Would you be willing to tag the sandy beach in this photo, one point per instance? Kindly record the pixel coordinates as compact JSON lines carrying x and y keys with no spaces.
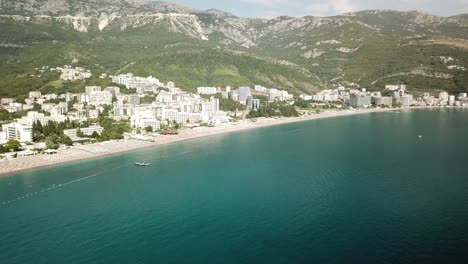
{"x":76,"y":153}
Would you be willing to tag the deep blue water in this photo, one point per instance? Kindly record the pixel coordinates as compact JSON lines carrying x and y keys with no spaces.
{"x":358,"y":189}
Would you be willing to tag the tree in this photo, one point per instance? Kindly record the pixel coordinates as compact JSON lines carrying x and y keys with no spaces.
{"x":149,"y":129}
{"x":79,"y":133}
{"x":66,"y":140}
{"x":13,"y":144}
{"x":3,"y":149}
{"x":37,"y":127}
{"x":299,"y":102}
{"x":95,"y":134}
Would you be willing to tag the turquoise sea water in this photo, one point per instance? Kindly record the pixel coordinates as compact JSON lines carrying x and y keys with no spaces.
{"x":358,"y":189}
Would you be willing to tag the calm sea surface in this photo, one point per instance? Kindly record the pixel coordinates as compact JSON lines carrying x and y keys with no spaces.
{"x":358,"y":189}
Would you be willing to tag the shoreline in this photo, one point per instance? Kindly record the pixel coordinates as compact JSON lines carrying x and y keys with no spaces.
{"x":110,"y":148}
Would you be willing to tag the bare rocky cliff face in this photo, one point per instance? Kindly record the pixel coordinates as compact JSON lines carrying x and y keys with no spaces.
{"x":84,"y":16}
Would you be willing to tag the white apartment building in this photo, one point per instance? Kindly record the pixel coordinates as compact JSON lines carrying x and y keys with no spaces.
{"x":35,"y":94}
{"x":211,"y":106}
{"x":6,"y":101}
{"x":182,"y":117}
{"x":100,"y":98}
{"x":170,"y":85}
{"x":261,"y":89}
{"x":144,"y":122}
{"x":134,"y":99}
{"x":83,"y":98}
{"x":90,"y":89}
{"x":74,"y":74}
{"x":443,"y":96}
{"x":280,"y":95}
{"x":165,"y":97}
{"x":207,"y":90}
{"x":395,"y":87}
{"x":88,"y":131}
{"x":114,"y":90}
{"x":19,"y":132}
{"x":135,"y":82}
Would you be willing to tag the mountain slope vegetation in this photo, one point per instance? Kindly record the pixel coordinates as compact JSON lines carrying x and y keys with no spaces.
{"x":197,"y":48}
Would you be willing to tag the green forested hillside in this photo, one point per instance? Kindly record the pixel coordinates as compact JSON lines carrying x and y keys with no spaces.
{"x":195,"y":48}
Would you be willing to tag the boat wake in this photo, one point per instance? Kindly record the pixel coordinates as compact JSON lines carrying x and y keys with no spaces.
{"x":57,"y":186}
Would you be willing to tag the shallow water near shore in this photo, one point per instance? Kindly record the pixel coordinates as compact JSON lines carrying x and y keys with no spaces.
{"x":355,"y":189}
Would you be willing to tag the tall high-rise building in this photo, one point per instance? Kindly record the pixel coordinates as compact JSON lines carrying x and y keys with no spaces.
{"x":244,"y":93}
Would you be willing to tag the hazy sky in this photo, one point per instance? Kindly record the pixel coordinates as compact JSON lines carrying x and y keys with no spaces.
{"x":273,"y":8}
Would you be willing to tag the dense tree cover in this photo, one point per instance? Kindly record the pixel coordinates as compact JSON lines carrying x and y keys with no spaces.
{"x":149,"y":129}
{"x":387,"y":93}
{"x":328,"y":105}
{"x":54,"y":101}
{"x":7,"y":116}
{"x":262,"y":98}
{"x":301,"y":103}
{"x":52,"y":133}
{"x":148,"y":99}
{"x":3,"y":149}
{"x":230,"y":105}
{"x":274,"y":109}
{"x":112,"y":129}
{"x":13,"y":144}
{"x":155,"y":50}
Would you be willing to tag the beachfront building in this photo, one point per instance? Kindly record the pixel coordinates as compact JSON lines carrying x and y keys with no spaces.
{"x":183,"y":117}
{"x":211,"y":106}
{"x":254,"y":104}
{"x":244,"y":93}
{"x":404,"y":101}
{"x":331,"y":95}
{"x":279,"y":95}
{"x":88,"y":131}
{"x":359,"y":100}
{"x":17,"y":131}
{"x":144,"y":122}
{"x":443,"y":96}
{"x":385,"y":101}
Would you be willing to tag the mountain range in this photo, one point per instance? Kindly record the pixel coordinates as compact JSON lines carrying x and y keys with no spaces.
{"x":366,"y":49}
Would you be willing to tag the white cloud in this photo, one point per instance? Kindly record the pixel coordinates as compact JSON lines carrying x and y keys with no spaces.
{"x":318,"y":9}
{"x":343,"y":6}
{"x":268,"y":3}
{"x":331,"y":7}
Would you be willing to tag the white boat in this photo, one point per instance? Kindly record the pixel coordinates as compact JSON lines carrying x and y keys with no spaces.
{"x":143,"y":164}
